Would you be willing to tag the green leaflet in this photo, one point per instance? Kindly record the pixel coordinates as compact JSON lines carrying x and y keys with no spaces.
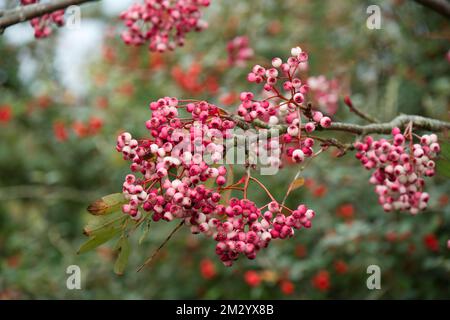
{"x":107,"y":204}
{"x":124,"y":254}
{"x":99,"y":238}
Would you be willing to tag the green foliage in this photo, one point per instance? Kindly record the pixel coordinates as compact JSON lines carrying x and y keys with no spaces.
{"x":48,"y":179}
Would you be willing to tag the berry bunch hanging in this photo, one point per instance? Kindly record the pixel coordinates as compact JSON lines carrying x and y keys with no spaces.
{"x":400,"y":168}
{"x":178,"y":172}
{"x":162,"y":23}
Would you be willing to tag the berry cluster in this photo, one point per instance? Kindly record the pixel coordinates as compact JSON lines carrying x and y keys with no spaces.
{"x":246,"y":229}
{"x":173,"y":163}
{"x":285,"y":104}
{"x":400,"y":168}
{"x":163,"y":23}
{"x":181,"y":179}
{"x":239,"y":51}
{"x":43,"y":24}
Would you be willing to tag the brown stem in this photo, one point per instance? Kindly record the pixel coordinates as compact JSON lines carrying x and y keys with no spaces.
{"x":358,"y":112}
{"x":149,"y":260}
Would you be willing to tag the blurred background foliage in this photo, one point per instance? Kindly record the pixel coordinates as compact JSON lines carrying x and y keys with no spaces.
{"x":57,"y":153}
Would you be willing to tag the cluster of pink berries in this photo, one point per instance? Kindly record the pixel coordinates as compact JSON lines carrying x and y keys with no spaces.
{"x":325,"y":93}
{"x":174,"y":174}
{"x":246,"y":230}
{"x":43,"y":24}
{"x":164,"y":23}
{"x":400,"y":168}
{"x":285,"y":103}
{"x":239,"y":51}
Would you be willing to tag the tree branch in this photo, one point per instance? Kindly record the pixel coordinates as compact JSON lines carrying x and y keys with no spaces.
{"x":440,"y":6}
{"x":28,"y":12}
{"x":401,"y":121}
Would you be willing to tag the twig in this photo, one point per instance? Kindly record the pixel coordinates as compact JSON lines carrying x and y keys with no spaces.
{"x":149,"y":260}
{"x":358,"y":112}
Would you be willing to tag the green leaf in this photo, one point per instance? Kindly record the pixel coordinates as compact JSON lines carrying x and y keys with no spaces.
{"x":107,"y":204}
{"x":124,"y":254}
{"x":146,"y":229}
{"x":99,"y":238}
{"x":99,"y":223}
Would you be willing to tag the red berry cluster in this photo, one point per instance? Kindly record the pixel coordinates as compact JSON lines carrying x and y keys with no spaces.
{"x":246,"y":229}
{"x":163,"y":23}
{"x":181,"y":179}
{"x":400,"y":168}
{"x":239,"y":51}
{"x":43,"y":24}
{"x":285,"y":104}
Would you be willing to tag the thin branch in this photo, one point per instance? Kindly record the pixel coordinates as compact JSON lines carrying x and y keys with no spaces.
{"x":149,"y":260}
{"x":358,"y":112}
{"x":401,"y":121}
{"x":440,"y":6}
{"x":28,"y":12}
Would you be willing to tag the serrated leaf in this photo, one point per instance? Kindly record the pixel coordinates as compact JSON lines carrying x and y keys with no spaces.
{"x":98,"y":239}
{"x":122,"y":258}
{"x":107,"y":204}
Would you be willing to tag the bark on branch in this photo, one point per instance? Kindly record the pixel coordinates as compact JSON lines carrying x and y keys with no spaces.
{"x":28,"y":12}
{"x":401,"y":122}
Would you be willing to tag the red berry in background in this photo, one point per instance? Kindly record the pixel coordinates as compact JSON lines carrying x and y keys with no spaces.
{"x":431,"y":242}
{"x":5,"y":113}
{"x":102,"y":102}
{"x":300,"y":251}
{"x":321,"y":281}
{"x":80,"y":129}
{"x":287,"y":287}
{"x":95,"y":124}
{"x":341,"y":267}
{"x":207,"y":269}
{"x":346,"y":211}
{"x":320,"y":191}
{"x":60,"y":131}
{"x":252,"y":278}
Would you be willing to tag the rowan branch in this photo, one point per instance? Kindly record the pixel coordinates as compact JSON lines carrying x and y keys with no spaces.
{"x":28,"y":12}
{"x":440,"y":6}
{"x":400,"y":121}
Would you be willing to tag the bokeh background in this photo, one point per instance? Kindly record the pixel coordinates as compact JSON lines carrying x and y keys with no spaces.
{"x":64,"y":99}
